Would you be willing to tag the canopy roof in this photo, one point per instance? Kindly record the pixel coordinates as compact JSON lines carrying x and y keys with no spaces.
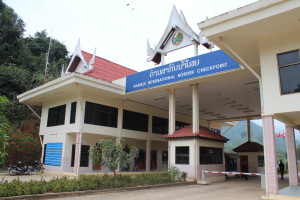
{"x":249,"y":147}
{"x":204,"y":133}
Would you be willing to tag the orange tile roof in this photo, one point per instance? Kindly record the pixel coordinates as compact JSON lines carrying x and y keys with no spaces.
{"x":106,"y":70}
{"x":204,"y":133}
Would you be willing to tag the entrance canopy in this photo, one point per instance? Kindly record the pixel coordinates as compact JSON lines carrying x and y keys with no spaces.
{"x":223,"y":97}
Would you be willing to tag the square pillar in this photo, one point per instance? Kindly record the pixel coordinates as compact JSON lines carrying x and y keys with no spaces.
{"x":77,"y":153}
{"x":292,"y":157}
{"x":195,"y":97}
{"x":270,"y":155}
{"x":148,"y":155}
{"x":172,"y":111}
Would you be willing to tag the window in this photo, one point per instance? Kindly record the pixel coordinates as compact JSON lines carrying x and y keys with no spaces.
{"x":180,"y":125}
{"x":289,"y":72}
{"x":182,"y":155}
{"x":160,"y":125}
{"x":135,"y":121}
{"x":56,"y":116}
{"x":84,"y":156}
{"x":260,"y":161}
{"x":211,"y":155}
{"x":73,"y":112}
{"x":100,"y":115}
{"x":164,"y":156}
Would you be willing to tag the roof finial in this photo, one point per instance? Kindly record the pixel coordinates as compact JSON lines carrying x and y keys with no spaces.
{"x":92,"y":61}
{"x":149,"y":49}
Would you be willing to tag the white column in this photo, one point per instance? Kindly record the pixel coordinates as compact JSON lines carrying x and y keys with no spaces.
{"x":80,"y":112}
{"x":195,"y":96}
{"x":292,"y":156}
{"x":172,"y":110}
{"x":77,"y":153}
{"x":148,"y":155}
{"x":120,"y":120}
{"x":249,"y":129}
{"x":162,"y":61}
{"x":195,"y":49}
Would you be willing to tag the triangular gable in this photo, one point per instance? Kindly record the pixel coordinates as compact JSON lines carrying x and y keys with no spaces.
{"x":178,"y":34}
{"x":78,"y":62}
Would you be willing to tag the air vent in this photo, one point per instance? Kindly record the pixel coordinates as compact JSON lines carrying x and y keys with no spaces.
{"x":247,"y":111}
{"x":183,"y":105}
{"x":159,"y":98}
{"x":243,"y":108}
{"x":222,"y":99}
{"x":221,"y":117}
{"x":251,"y":82}
{"x":208,"y":113}
{"x":229,"y":102}
{"x":237,"y":105}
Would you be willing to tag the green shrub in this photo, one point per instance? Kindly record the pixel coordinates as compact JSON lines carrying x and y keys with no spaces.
{"x":176,"y":174}
{"x":81,"y":183}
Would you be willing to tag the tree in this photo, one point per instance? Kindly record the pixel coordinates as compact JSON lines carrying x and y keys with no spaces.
{"x":11,"y":32}
{"x":23,"y":147}
{"x":3,"y":131}
{"x":111,"y":154}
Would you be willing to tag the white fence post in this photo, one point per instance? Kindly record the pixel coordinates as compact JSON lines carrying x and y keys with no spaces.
{"x":203,"y":178}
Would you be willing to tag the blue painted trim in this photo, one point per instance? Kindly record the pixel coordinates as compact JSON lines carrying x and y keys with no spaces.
{"x":53,"y":154}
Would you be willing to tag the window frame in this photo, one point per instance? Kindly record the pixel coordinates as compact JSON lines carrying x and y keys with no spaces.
{"x":286,"y":65}
{"x":209,"y":159}
{"x":73,"y":112}
{"x":180,"y":156}
{"x":56,"y":115}
{"x":260,"y":162}
{"x":160,"y":125}
{"x":135,"y":121}
{"x":100,"y":115}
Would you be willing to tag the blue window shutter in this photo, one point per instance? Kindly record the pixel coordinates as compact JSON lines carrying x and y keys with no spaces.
{"x":53,"y":154}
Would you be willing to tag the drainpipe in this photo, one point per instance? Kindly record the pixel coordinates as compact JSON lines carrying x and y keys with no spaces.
{"x":249,"y":68}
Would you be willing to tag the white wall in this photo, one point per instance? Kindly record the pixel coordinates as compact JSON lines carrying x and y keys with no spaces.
{"x":274,"y":102}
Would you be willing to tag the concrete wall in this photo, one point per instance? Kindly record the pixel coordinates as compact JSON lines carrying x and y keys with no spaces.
{"x":252,"y":162}
{"x":274,"y":102}
{"x":194,"y":162}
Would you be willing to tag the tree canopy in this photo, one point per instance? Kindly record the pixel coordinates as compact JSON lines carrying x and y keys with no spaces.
{"x":22,"y":66}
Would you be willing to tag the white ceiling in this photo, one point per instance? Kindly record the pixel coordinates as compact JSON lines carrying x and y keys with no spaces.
{"x":226,"y":97}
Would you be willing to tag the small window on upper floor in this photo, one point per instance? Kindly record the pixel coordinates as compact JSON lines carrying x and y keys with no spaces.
{"x":56,"y":116}
{"x":289,"y":71}
{"x":73,"y":112}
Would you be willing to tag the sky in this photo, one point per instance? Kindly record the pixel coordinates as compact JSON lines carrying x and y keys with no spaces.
{"x":119,"y":29}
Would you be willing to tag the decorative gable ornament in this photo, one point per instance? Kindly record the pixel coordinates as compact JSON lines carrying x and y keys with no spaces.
{"x":178,"y":34}
{"x":78,"y":62}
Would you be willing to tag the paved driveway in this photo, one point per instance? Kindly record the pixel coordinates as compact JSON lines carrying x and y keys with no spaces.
{"x":229,"y":190}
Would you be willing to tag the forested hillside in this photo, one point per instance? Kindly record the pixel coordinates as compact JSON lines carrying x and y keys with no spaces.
{"x":22,"y":65}
{"x":238,"y":135}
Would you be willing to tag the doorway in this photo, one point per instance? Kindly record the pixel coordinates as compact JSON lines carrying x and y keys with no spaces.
{"x":153,"y":161}
{"x":244,"y":163}
{"x":142,"y":159}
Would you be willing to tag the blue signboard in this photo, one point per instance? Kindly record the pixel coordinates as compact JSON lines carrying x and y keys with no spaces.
{"x":202,"y":65}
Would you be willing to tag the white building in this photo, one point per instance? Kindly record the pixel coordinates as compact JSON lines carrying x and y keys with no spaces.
{"x":97,"y":98}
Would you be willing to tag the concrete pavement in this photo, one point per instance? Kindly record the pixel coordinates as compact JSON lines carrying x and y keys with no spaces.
{"x":234,"y":189}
